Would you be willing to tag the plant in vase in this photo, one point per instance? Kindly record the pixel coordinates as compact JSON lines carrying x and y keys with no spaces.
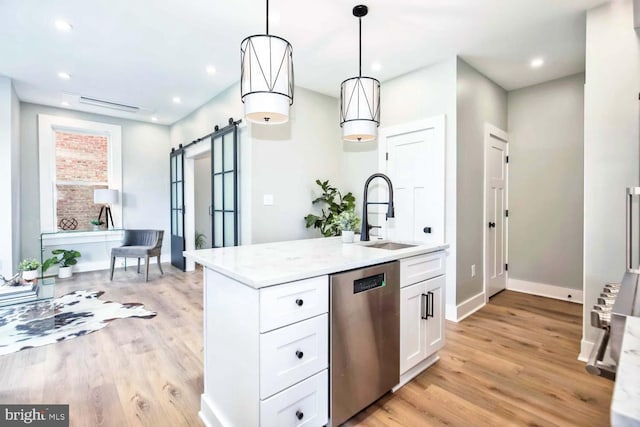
{"x":67,"y":260}
{"x":336,"y":204}
{"x":29,"y":268}
{"x":348,"y":223}
{"x":200,"y":240}
{"x":96,"y":224}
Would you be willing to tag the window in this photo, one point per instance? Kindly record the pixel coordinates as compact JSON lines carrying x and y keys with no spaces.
{"x":76,"y":157}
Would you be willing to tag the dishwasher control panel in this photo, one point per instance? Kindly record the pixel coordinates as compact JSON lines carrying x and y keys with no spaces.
{"x":368,"y":283}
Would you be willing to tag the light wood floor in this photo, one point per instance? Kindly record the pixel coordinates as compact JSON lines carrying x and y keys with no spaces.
{"x":511,"y":363}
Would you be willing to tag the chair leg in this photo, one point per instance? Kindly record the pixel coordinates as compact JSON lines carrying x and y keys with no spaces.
{"x":138,"y":265}
{"x":113,"y":263}
{"x":160,"y":266}
{"x":146,"y":264}
{"x":125,"y":263}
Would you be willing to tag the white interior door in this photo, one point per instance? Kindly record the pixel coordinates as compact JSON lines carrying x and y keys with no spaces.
{"x":415,"y":163}
{"x":495,"y":210}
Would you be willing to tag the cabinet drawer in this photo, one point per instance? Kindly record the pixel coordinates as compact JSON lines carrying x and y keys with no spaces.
{"x":422,"y":267}
{"x":282,"y":305}
{"x":290,"y":354}
{"x":304,"y":404}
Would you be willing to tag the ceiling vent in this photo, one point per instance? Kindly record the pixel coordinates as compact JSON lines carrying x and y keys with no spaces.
{"x":108,"y":104}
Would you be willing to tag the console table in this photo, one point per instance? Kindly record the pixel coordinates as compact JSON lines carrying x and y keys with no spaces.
{"x":95,"y":246}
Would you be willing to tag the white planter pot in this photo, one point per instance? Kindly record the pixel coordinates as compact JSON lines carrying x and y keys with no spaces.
{"x":96,"y":228}
{"x":347,"y":236}
{"x":30,"y":274}
{"x":64,"y":272}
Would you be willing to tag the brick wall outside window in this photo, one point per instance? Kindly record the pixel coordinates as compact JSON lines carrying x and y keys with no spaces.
{"x":81,"y":167}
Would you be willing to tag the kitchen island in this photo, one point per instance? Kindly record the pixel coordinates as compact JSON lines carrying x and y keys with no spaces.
{"x":266,"y":325}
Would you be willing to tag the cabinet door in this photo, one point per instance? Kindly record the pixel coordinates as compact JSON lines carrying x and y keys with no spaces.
{"x":434,"y":288}
{"x":413,"y":329}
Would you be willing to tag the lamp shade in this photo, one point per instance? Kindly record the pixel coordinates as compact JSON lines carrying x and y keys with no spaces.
{"x":266,"y":82}
{"x":360,"y":109}
{"x":105,"y":196}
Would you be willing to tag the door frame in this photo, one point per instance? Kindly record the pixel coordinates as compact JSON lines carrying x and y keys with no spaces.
{"x":489,"y":131}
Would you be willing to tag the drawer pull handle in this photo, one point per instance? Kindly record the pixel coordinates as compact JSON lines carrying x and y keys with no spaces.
{"x":299,"y":415}
{"x":299,"y":302}
{"x":299,"y":354}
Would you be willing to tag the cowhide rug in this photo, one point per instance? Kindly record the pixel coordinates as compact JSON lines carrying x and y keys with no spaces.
{"x":72,"y":315}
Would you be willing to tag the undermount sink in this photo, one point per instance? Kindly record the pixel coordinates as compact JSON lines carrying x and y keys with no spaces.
{"x":390,"y":245}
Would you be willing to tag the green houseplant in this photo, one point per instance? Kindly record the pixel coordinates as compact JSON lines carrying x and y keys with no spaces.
{"x":348,"y":223}
{"x":335,"y":203}
{"x":67,"y":259}
{"x":29,"y":268}
{"x":200,"y":240}
{"x":96,"y":224}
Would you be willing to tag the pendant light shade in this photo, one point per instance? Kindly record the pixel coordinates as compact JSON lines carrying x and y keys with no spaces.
{"x":266,"y":82}
{"x":360,"y":99}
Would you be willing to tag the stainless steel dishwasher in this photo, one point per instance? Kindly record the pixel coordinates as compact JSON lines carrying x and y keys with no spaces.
{"x":365,"y":338}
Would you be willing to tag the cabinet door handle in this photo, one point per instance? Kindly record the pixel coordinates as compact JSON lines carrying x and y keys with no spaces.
{"x":299,"y":354}
{"x":430,"y":304}
{"x":299,"y":302}
{"x":299,"y":415}
{"x":423,"y":309}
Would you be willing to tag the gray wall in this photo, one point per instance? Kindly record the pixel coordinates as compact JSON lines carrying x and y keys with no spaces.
{"x":145,"y":173}
{"x":283,"y":161}
{"x":202,"y":191}
{"x":546,"y":182}
{"x":479,"y":101}
{"x":10,"y":185}
{"x":611,"y":140}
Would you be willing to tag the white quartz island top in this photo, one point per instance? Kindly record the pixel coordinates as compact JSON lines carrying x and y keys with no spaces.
{"x":270,"y":264}
{"x":625,"y":405}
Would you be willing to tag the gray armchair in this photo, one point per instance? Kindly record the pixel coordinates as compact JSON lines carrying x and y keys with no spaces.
{"x":139,"y":244}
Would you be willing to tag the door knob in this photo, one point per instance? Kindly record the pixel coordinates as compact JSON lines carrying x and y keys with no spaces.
{"x":492,"y":225}
{"x":427,"y":230}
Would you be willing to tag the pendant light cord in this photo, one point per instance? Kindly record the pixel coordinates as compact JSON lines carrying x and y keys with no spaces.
{"x":359,"y":46}
{"x":267,"y":17}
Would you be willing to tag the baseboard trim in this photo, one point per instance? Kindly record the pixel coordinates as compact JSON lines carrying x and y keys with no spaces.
{"x":464,"y":309}
{"x":208,"y":413}
{"x":585,"y":350}
{"x":545,"y":290}
{"x":416,"y":370}
{"x":106,"y":264}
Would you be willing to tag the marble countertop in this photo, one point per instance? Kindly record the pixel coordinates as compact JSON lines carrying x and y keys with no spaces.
{"x":625,"y":404}
{"x":270,"y":264}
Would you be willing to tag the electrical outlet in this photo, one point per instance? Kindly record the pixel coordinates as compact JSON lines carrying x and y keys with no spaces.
{"x":473,"y":270}
{"x":267,"y":199}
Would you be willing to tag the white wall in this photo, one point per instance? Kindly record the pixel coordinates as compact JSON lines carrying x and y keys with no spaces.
{"x":479,"y":101}
{"x":611,"y":139}
{"x":202,"y":172}
{"x":546,"y":179}
{"x":10,"y":185}
{"x":420,"y":94}
{"x":283,"y":161}
{"x":145,"y":174}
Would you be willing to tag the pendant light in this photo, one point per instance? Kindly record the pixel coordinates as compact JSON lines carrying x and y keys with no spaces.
{"x":360,"y":99}
{"x":266,"y":83}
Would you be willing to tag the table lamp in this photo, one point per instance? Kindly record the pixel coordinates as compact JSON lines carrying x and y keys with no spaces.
{"x":105,"y":197}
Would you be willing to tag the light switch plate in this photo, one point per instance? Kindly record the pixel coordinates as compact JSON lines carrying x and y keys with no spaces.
{"x":268,"y":199}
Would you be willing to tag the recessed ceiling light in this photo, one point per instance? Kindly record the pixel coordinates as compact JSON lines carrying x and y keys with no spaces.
{"x":537,"y":62}
{"x":177,"y":100}
{"x":63,"y":25}
{"x":376,"y":66}
{"x":211,"y":69}
{"x":65,"y":104}
{"x":154,"y":119}
{"x":64,"y":76}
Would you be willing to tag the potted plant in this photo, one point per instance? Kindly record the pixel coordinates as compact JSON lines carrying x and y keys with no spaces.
{"x":29,"y":268}
{"x":67,"y":260}
{"x":96,"y":224}
{"x":336,"y":204}
{"x":348,"y":223}
{"x":200,"y":240}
